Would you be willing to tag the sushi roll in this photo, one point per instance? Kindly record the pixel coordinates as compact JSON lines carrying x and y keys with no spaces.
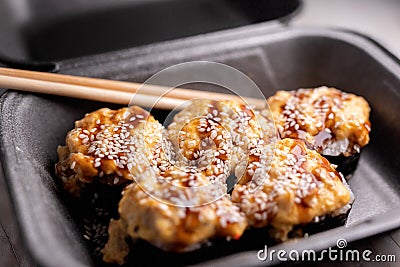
{"x":299,"y":188}
{"x":104,"y":144}
{"x":333,"y":123}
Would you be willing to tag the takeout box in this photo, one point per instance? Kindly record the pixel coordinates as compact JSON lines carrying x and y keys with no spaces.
{"x":275,"y":57}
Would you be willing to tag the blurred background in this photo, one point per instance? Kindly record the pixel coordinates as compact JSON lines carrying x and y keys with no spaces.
{"x":50,"y":30}
{"x":378,"y":19}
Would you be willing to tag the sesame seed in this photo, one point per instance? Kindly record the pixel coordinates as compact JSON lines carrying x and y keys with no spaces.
{"x":73,"y":165}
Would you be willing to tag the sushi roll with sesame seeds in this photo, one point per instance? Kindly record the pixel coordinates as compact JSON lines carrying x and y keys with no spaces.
{"x":104,"y":145}
{"x":224,"y":129}
{"x":173,"y":214}
{"x":334,"y":123}
{"x":298,"y":187}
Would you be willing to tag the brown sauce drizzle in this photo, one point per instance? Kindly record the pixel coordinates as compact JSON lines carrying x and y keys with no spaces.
{"x":324,"y":111}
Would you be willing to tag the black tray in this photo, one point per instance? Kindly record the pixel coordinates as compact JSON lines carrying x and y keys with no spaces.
{"x":32,"y":126}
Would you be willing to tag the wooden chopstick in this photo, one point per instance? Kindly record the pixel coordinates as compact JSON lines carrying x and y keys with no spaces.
{"x":104,"y":90}
{"x":89,"y":93}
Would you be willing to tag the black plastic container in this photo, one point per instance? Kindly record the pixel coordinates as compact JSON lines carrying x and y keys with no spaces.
{"x":53,"y":30}
{"x":275,"y":57}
